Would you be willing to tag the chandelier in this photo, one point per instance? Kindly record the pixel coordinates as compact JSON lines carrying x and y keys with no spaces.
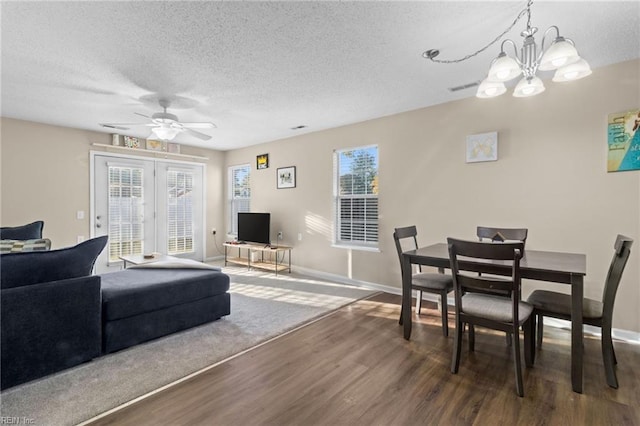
{"x":561,"y":56}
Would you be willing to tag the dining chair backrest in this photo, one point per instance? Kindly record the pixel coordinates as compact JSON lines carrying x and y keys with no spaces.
{"x":622,"y":250}
{"x":409,"y":233}
{"x":474,"y":251}
{"x":502,"y":234}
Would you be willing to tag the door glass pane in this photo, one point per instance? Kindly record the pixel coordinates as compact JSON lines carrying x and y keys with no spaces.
{"x":126,"y":211}
{"x":180,"y":212}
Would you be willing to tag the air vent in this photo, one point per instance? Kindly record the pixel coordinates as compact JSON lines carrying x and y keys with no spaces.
{"x":464,"y":86}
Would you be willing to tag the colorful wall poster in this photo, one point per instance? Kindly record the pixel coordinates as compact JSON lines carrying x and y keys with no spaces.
{"x":623,"y":139}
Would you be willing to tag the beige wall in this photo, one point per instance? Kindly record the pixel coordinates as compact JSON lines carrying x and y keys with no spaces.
{"x":550,"y":177}
{"x":45,"y":176}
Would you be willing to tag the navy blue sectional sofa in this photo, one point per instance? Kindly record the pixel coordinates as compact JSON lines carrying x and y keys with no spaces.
{"x":55,"y":314}
{"x":50,"y":311}
{"x":143,"y":304}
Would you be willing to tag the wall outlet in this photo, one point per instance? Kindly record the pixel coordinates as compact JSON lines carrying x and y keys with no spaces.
{"x":299,"y":236}
{"x":213,"y":231}
{"x":80,"y":238}
{"x":80,"y":214}
{"x":280,"y":235}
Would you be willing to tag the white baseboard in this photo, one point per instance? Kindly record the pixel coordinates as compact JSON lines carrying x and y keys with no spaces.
{"x":626,"y":336}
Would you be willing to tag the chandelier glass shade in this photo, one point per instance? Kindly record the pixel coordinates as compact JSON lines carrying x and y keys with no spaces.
{"x":574,"y":71}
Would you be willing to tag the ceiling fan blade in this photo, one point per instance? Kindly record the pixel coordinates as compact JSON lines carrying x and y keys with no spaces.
{"x":123,"y":125}
{"x":199,"y":125}
{"x":197,"y":134}
{"x":142,"y":115}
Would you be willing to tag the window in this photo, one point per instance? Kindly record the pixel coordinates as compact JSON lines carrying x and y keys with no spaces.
{"x":126,"y":211}
{"x":239,"y":194}
{"x":179,"y":212}
{"x":356,"y":197}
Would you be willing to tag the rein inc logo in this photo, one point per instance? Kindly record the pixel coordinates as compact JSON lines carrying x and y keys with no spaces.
{"x":6,"y":420}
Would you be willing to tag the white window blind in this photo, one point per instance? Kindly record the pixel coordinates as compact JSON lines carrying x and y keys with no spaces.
{"x":180,"y":220}
{"x":126,"y":211}
{"x":356,"y":196}
{"x":239,"y":194}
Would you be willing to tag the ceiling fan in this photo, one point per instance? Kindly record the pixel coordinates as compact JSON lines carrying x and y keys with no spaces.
{"x":165,"y":126}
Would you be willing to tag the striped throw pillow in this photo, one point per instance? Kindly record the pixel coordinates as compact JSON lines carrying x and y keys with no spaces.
{"x":18,"y":246}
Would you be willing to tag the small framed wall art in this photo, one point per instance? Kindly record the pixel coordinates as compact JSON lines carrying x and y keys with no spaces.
{"x":482,"y":147}
{"x":154,"y":145}
{"x":262,"y":161}
{"x":131,"y":142}
{"x":287,"y":177}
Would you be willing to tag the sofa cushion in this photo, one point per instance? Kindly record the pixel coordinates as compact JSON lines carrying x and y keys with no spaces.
{"x":19,"y":269}
{"x":18,"y":246}
{"x":30,"y":231}
{"x":136,"y":291}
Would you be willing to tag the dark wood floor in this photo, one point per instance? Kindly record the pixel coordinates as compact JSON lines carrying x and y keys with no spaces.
{"x":355,"y":368}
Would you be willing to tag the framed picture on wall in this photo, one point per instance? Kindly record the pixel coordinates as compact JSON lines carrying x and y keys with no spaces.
{"x":482,"y":147}
{"x":262,"y":161}
{"x":286,"y":177}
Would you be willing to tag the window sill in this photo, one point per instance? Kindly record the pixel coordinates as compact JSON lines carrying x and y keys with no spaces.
{"x":361,"y":248}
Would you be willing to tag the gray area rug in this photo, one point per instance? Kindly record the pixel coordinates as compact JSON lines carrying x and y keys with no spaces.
{"x":263,"y":306}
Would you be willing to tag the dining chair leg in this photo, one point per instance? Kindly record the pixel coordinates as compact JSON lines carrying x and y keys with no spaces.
{"x":418,"y":301}
{"x":517,"y":362}
{"x":608,"y":357}
{"x":445,"y":314}
{"x":540,"y":330}
{"x":529,"y":342}
{"x":457,"y":346}
{"x":472,"y":337}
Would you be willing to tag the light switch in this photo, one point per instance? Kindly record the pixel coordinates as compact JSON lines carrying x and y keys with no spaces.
{"x":80,"y":214}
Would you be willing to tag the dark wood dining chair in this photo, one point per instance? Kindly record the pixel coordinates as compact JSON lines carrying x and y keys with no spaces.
{"x":475,"y":307}
{"x":500,"y":235}
{"x":430,"y":282}
{"x":594,"y":312}
{"x":488,"y":233}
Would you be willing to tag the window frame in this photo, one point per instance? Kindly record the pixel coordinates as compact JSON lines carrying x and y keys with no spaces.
{"x":337,"y":217}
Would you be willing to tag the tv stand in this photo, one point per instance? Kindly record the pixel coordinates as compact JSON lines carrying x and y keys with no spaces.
{"x":259,"y":256}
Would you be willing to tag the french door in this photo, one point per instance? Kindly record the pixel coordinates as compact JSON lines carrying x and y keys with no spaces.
{"x":147,"y":206}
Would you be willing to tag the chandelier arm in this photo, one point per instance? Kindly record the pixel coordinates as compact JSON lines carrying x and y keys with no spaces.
{"x":491,"y":43}
{"x":544,"y":37}
{"x":515,"y":48}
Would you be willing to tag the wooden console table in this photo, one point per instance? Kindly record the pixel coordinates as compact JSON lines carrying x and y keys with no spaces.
{"x":268,"y":256}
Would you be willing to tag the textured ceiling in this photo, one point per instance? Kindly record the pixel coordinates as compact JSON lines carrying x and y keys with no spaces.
{"x":257,"y":69}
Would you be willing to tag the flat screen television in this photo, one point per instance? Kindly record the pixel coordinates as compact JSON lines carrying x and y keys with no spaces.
{"x":254,"y":227}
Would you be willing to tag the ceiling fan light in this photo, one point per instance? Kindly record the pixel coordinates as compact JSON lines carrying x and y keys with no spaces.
{"x":528,"y":87}
{"x":574,"y":71}
{"x":559,"y":54}
{"x":503,"y":68}
{"x":165,"y":133}
{"x":490,"y":89}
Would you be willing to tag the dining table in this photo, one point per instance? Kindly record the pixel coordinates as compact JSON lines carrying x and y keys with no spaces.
{"x":550,"y":266}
